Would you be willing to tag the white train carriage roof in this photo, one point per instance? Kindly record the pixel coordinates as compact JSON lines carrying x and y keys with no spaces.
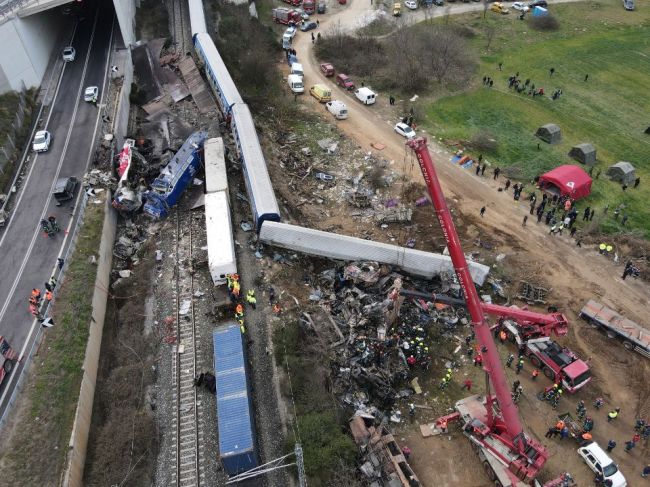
{"x":221,"y":248}
{"x":197,"y":17}
{"x":216,"y":178}
{"x":255,"y":165}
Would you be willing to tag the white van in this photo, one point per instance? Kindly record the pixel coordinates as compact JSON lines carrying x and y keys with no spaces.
{"x":338,"y":109}
{"x":286,"y":41}
{"x":296,"y":68}
{"x":597,"y":460}
{"x":295,"y":83}
{"x":366,"y":96}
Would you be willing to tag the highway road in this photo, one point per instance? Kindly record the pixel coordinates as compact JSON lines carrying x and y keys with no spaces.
{"x":28,"y":255}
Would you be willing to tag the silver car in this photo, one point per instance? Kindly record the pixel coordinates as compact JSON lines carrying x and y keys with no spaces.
{"x":69,"y":54}
{"x":91,"y":94}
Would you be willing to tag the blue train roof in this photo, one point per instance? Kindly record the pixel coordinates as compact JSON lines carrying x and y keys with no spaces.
{"x":233,"y":405}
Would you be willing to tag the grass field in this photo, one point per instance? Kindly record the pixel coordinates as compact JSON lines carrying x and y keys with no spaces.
{"x":611,"y":110}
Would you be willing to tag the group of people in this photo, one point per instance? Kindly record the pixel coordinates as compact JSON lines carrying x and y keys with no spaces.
{"x":35,"y":298}
{"x":234,"y":292}
{"x":524,"y":87}
{"x":50,"y":226}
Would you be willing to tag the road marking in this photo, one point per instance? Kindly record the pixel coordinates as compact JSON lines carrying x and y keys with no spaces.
{"x":101,"y":98}
{"x":58,"y":171}
{"x":47,"y":122}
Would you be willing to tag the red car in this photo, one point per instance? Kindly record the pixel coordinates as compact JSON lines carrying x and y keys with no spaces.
{"x":327,"y":69}
{"x":344,"y":81}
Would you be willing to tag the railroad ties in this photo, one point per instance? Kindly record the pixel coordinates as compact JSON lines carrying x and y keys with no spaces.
{"x":187,"y":450}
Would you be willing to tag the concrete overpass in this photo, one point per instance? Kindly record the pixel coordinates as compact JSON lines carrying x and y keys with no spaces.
{"x":31,"y":30}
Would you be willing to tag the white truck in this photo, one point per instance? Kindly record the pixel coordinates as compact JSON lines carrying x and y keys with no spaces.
{"x":296,"y":68}
{"x":633,"y":336}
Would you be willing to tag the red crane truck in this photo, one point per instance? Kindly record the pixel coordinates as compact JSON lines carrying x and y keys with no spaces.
{"x":491,"y":423}
{"x":282,"y":15}
{"x":533,"y":331}
{"x":8,"y":358}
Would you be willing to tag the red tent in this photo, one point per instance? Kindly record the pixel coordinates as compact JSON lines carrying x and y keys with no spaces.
{"x":568,"y":180}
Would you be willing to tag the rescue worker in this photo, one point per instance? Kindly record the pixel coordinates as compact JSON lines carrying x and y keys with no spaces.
{"x":467,"y":384}
{"x":535,"y":374}
{"x":612,"y":415}
{"x":53,"y":282}
{"x":511,"y":357}
{"x":48,"y":295}
{"x":585,"y":438}
{"x":276,"y":308}
{"x":250,"y":298}
{"x":229,"y":281}
{"x":443,"y":425}
{"x":602,"y":248}
{"x":36,"y":294}
{"x":242,"y":328}
{"x":33,"y":310}
{"x":32,"y":300}
{"x":239,"y":310}
{"x":503,"y":336}
{"x":236,"y":289}
{"x":611,"y":444}
{"x":478,"y":360}
{"x":588,"y":424}
{"x":520,"y":365}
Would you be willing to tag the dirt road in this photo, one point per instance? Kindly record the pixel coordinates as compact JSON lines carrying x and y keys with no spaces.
{"x":574,"y":274}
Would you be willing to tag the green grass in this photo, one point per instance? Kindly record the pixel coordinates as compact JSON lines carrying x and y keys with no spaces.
{"x":611,"y":110}
{"x":39,"y":450}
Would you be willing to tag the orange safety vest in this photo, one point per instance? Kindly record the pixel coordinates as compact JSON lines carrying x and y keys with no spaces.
{"x":560,"y":425}
{"x":276,"y":308}
{"x":503,"y":336}
{"x":535,"y":373}
{"x":239,"y":309}
{"x":36,"y":293}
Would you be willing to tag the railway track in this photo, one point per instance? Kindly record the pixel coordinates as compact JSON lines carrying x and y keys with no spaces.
{"x":188,"y":445}
{"x":179,"y":25}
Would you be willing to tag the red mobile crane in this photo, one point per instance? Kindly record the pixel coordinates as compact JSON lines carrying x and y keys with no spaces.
{"x":532,"y":331}
{"x":492,"y":423}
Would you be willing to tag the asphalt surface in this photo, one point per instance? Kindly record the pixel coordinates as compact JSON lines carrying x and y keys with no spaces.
{"x":28,"y":255}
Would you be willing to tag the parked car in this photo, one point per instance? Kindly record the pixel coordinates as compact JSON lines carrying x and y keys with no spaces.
{"x":404,"y":130}
{"x":499,"y":8}
{"x":439,"y":3}
{"x":597,"y":460}
{"x":538,"y":3}
{"x":327,"y":69}
{"x":521,"y":6}
{"x":41,"y":142}
{"x":397,"y":9}
{"x":628,"y":5}
{"x":411,"y":4}
{"x":69,"y":54}
{"x":344,"y":81}
{"x":321,"y":8}
{"x":64,"y":189}
{"x":291,"y":31}
{"x":307,"y":26}
{"x":91,"y":94}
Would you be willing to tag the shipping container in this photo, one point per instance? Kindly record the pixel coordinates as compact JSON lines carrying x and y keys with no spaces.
{"x":221,"y":247}
{"x":237,"y":448}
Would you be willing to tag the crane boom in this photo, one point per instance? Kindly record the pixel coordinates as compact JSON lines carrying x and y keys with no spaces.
{"x":504,"y":424}
{"x":544,"y":323}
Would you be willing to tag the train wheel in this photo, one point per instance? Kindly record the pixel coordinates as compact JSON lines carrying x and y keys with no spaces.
{"x":628,"y":346}
{"x":535,"y":361}
{"x":548,"y":373}
{"x":488,"y":470}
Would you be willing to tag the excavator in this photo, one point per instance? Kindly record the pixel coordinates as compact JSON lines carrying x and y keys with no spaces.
{"x":491,"y":422}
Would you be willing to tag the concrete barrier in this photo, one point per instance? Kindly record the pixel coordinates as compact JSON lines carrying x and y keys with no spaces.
{"x":76,"y":456}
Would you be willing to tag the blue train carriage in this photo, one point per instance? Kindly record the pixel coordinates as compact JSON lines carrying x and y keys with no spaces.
{"x":264,"y":206}
{"x":237,"y":445}
{"x":216,"y":73}
{"x":174,"y":178}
